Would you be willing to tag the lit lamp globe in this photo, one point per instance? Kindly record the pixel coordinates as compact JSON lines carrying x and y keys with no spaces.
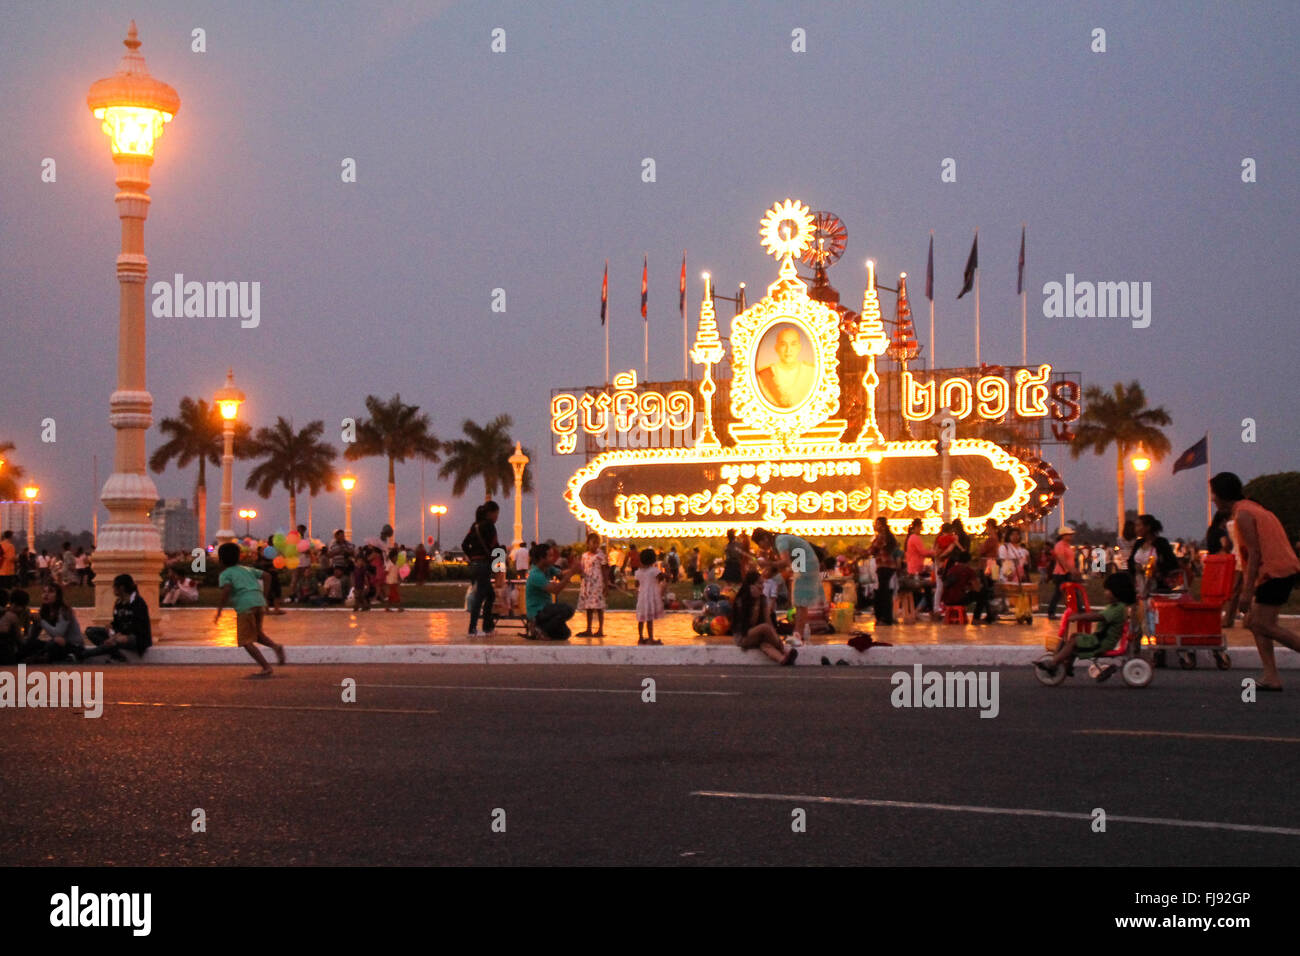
{"x":30,"y":493}
{"x":1140,"y":464}
{"x":348,"y":481}
{"x":132,"y":108}
{"x":228,"y":399}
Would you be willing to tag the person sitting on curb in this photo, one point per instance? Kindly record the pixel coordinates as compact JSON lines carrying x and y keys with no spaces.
{"x":57,"y":633}
{"x":752,"y":625}
{"x":130,"y":629}
{"x":1122,"y":596}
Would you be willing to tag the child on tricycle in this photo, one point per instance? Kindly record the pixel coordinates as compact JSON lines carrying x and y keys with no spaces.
{"x":1121,"y":597}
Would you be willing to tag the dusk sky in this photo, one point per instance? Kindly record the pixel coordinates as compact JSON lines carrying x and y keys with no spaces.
{"x":522,"y":170}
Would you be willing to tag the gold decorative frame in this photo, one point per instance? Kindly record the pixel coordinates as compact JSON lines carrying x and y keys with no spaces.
{"x":787,"y":302}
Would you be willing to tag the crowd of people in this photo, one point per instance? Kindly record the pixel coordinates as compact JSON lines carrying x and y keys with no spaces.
{"x":778,"y":587}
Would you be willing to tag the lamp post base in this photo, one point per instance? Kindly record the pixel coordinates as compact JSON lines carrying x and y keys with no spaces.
{"x":144,"y":567}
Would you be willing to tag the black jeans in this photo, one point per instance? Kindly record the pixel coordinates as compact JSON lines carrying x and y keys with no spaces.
{"x":1058,"y":580}
{"x":485,"y":596}
{"x":884,"y":597}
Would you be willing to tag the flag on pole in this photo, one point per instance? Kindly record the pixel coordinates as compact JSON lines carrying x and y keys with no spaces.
{"x":604,"y":294}
{"x":681,"y":288}
{"x":972,"y":263}
{"x":645,"y":275}
{"x":929,"y":271}
{"x":1020,"y":275}
{"x":1194,"y":457}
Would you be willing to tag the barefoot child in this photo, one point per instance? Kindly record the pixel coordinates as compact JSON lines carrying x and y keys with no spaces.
{"x":242,"y":587}
{"x":649,"y":603}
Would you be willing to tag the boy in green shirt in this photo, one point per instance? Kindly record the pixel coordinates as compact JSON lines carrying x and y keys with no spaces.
{"x":1123,"y":595}
{"x":242,"y":587}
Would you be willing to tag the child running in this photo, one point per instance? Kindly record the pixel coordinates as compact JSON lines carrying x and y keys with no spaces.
{"x":649,"y":602}
{"x":242,"y":587}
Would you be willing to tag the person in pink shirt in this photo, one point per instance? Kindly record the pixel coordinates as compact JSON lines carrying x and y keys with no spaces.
{"x":1271,"y":571}
{"x":1061,"y":567}
{"x":914,"y":550}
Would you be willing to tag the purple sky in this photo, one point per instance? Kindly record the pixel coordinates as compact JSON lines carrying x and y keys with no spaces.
{"x":522,"y":171}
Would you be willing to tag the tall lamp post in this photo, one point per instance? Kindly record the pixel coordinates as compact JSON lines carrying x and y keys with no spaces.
{"x":30,"y":493}
{"x":517,"y":461}
{"x":348,"y":481}
{"x":248,"y":514}
{"x":437,"y":511}
{"x":1140,"y":464}
{"x":228,"y":400}
{"x":133,"y":107}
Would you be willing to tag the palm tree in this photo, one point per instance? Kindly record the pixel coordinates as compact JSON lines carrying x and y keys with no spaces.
{"x":294,"y":460}
{"x":9,"y":473}
{"x":484,"y":453}
{"x":1120,"y":417}
{"x":396,"y":432}
{"x":196,"y":434}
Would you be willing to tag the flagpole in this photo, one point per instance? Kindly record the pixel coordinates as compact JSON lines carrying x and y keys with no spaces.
{"x":929,"y":281}
{"x":608,"y":319}
{"x":977,"y":304}
{"x":1209,"y":500}
{"x":1024,"y":304}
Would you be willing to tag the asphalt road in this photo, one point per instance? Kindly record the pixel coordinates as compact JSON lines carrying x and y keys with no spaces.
{"x":588,"y":773}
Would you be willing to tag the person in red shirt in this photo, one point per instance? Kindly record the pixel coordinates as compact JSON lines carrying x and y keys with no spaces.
{"x":1061,"y":567}
{"x":1271,"y":571}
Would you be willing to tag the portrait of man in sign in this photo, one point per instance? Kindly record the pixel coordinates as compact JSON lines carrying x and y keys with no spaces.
{"x":785,"y":376}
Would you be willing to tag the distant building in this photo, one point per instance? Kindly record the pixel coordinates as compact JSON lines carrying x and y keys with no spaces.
{"x":13,"y":517}
{"x":177,"y":524}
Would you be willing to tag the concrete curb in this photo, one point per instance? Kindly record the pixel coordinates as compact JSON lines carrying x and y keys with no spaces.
{"x":933,"y":655}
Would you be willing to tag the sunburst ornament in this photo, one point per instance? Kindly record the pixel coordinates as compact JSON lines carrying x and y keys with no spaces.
{"x":787,"y":229}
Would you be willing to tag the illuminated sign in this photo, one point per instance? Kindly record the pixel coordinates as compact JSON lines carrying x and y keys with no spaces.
{"x":620,"y":411}
{"x":789,"y":464}
{"x":827,"y":489}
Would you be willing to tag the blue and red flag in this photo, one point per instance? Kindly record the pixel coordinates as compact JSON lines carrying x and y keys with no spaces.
{"x":645,"y":275}
{"x":1194,"y":457}
{"x":1020,"y":275}
{"x":604,"y":294}
{"x":929,"y":271}
{"x":681,"y":287}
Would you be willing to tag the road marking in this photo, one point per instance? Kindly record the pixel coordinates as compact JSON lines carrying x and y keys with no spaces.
{"x":788,"y":675}
{"x":563,"y":690}
{"x":1190,"y":736}
{"x":999,"y":811}
{"x":342,"y":710}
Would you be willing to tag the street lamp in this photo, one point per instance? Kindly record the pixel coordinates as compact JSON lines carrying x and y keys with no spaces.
{"x":1140,"y":464}
{"x":348,"y":481}
{"x":248,"y":514}
{"x":30,"y":493}
{"x":133,"y":108}
{"x":517,"y":461}
{"x":228,"y":400}
{"x":438,"y":511}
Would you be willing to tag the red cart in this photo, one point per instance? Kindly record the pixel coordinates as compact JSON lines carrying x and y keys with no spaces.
{"x":1186,"y":626}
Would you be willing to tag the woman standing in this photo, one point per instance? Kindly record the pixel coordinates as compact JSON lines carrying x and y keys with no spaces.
{"x":595,"y":582}
{"x":883,"y":548}
{"x":733,"y":559}
{"x":481,"y":545}
{"x":1013,"y":559}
